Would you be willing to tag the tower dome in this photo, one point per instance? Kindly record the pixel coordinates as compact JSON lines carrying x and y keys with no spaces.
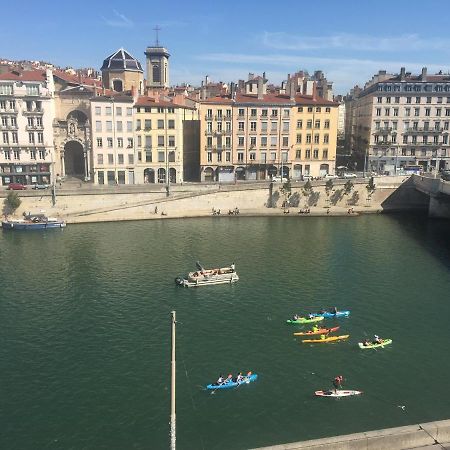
{"x":121,"y":60}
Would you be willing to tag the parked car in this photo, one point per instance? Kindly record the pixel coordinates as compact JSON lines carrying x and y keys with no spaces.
{"x":307,"y":177}
{"x":349,"y":175}
{"x":41,"y":186}
{"x":16,"y":187}
{"x":445,"y":175}
{"x":278,"y":179}
{"x":330,"y":176}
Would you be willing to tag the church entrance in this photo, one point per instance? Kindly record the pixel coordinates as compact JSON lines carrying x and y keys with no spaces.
{"x":74,"y":159}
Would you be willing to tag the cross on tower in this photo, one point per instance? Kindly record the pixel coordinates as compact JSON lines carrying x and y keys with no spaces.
{"x":156,"y":30}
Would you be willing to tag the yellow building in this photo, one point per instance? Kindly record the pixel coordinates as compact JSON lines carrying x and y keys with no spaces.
{"x":165,"y":133}
{"x":253,"y":135}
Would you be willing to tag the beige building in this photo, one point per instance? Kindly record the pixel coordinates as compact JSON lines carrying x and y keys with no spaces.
{"x":166,"y":135}
{"x":113,"y":154}
{"x":26,"y":127}
{"x":402,"y":120}
{"x":255,"y":135}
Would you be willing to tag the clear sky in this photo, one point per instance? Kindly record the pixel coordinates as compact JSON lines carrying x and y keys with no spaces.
{"x":349,"y":40}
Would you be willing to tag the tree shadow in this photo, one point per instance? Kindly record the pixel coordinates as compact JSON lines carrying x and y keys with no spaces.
{"x":336,"y":196}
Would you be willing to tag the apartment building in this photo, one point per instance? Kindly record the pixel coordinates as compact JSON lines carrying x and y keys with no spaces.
{"x":399,"y":120}
{"x":26,"y":120}
{"x":255,"y":135}
{"x":113,"y":150}
{"x":165,"y":136}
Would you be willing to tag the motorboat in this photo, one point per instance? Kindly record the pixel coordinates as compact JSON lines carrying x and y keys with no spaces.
{"x":203,"y":277}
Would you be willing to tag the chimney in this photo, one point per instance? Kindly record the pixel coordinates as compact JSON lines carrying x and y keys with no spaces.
{"x":260,"y":89}
{"x":423,"y":77}
{"x":314,"y":92}
{"x":133,"y":92}
{"x":206,"y":80}
{"x":264,"y":76}
{"x":402,"y":73}
{"x":291,"y":89}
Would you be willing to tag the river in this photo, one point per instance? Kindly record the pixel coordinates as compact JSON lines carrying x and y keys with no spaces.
{"x":85,"y":330}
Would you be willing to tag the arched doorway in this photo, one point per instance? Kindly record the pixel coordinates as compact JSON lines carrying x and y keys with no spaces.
{"x":161,"y":175}
{"x":272,"y":171}
{"x":285,"y":171}
{"x":240,"y":173}
{"x":173,"y":175}
{"x":74,"y":159}
{"x":149,"y":176}
{"x":209,"y":174}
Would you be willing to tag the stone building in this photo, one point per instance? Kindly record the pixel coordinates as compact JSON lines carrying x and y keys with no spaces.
{"x":401,"y":120}
{"x":26,"y":124}
{"x":157,"y":67}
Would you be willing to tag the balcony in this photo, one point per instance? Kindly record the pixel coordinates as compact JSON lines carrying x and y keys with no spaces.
{"x":384,"y":130}
{"x":210,"y":148}
{"x":8,"y":127}
{"x":263,"y":116}
{"x":218,"y":118}
{"x":423,"y":131}
{"x":209,"y":132}
{"x":208,"y":117}
{"x":8,"y":110}
{"x":29,"y":112}
{"x":34,"y":127}
{"x":273,"y":131}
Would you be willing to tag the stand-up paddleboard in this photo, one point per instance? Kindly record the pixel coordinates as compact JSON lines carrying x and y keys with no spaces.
{"x":375,"y":345}
{"x":337,"y":393}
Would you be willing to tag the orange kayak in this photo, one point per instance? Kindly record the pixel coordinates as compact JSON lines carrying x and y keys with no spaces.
{"x":328,"y":339}
{"x":320,"y":331}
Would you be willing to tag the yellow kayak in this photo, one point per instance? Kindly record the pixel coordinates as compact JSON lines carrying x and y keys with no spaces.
{"x":327,"y":339}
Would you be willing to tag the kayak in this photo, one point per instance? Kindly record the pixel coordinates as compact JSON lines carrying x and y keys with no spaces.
{"x":305,"y":320}
{"x":233,"y":384}
{"x":319,"y":331}
{"x":338,"y":393}
{"x":373,"y":345}
{"x":330,"y":315}
{"x":327,"y":339}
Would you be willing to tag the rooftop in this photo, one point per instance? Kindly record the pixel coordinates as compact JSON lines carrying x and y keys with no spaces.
{"x":121,"y":60}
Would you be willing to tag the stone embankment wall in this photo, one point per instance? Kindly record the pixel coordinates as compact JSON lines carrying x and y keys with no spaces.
{"x":426,"y":436}
{"x":133,"y":203}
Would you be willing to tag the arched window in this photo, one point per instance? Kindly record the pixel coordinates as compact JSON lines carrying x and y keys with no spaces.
{"x":117,"y":85}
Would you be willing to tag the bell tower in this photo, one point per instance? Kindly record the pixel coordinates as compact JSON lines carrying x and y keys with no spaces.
{"x":157,"y":65}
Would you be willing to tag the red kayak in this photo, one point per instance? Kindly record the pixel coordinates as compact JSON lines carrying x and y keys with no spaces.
{"x":312,"y":333}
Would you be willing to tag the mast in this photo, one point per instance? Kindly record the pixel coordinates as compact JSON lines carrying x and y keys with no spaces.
{"x":173,"y":437}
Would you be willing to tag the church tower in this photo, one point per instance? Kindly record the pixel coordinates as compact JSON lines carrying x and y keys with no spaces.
{"x":157,"y":65}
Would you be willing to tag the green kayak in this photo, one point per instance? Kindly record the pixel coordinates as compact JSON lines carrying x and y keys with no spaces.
{"x":303,"y":320}
{"x":373,"y":345}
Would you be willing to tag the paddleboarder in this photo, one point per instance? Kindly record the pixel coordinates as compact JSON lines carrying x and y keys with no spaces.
{"x":337,"y":382}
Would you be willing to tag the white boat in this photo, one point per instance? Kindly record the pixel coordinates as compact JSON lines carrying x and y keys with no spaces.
{"x":203,"y":277}
{"x":337,"y":393}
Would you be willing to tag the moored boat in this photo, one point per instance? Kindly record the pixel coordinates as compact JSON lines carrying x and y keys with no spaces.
{"x":233,"y":383}
{"x":203,"y":277}
{"x":331,"y":315}
{"x":327,"y":339}
{"x":33,"y":222}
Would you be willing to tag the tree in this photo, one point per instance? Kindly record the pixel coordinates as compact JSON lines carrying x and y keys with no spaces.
{"x":328,"y":189}
{"x":348,"y":187}
{"x":370,"y":189}
{"x":286,"y":192}
{"x":11,"y":203}
{"x":307,"y":189}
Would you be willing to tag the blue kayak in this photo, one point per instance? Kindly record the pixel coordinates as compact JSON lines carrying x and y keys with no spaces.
{"x":233,"y":384}
{"x":330,"y":315}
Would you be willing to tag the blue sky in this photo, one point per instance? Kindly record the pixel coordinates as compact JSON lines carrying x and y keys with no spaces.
{"x":348,"y":40}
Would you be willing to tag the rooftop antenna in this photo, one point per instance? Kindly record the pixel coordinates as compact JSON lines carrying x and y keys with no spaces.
{"x":156,"y":31}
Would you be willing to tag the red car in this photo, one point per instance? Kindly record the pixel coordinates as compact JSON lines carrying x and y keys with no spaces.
{"x":16,"y":187}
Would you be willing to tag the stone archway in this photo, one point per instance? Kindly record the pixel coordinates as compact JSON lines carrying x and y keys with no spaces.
{"x":74,"y":159}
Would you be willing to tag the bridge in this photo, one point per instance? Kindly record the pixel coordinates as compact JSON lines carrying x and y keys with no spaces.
{"x":438,"y":191}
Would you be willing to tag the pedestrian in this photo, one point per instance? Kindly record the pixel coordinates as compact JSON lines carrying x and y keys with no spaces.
{"x":156,"y":209}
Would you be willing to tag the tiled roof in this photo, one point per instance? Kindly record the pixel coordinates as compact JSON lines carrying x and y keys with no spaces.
{"x":151,"y":101}
{"x":418,"y":78}
{"x":24,"y":75}
{"x":75,"y":79}
{"x":121,"y":60}
{"x":269,"y":99}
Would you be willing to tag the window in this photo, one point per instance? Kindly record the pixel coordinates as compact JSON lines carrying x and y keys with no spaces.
{"x":228,"y":156}
{"x":241,"y":126}
{"x":253,"y":141}
{"x":100,"y":159}
{"x":308,"y":139}
{"x":16,"y":154}
{"x":108,"y":110}
{"x":309,"y":124}
{"x":129,"y":111}
{"x":32,"y":89}
{"x":310,"y":109}
{"x":317,"y":124}
{"x":147,"y":124}
{"x":98,"y":110}
{"x":273,"y":141}
{"x":171,"y":142}
{"x":120,"y":142}
{"x":33,"y":154}
{"x":378,"y":111}
{"x":264,"y":141}
{"x":300,"y":109}
{"x":30,"y":138}
{"x":108,"y":125}
{"x":428,"y":99}
{"x":120,"y":159}
{"x":15,"y":138}
{"x":98,"y":125}
{"x":171,"y":124}
{"x":252,"y":156}
{"x":129,"y":125}
{"x":119,"y":125}
{"x":308,"y":154}
{"x":326,"y":139}
{"x":397,"y":99}
{"x":316,"y":138}
{"x":130,"y":158}
{"x":253,"y":125}
{"x":326,"y":124}
{"x":325,"y":154}
{"x":299,"y":124}
{"x":6,"y":89}
{"x":285,"y":141}
{"x":99,"y":142}
{"x":41,"y":154}
{"x":417,"y":111}
{"x":407,"y":111}
{"x":388,"y":99}
{"x":328,"y":109}
{"x":240,"y":141}
{"x":38,"y":121}
{"x":160,"y":141}
{"x":427,"y":112}
{"x":263,"y":127}
{"x":387,"y":111}
{"x":379,"y":99}
{"x":273,"y":156}
{"x":161,"y":157}
{"x":408,"y":99}
{"x":240,"y":156}
{"x":438,"y":111}
{"x":299,"y":139}
{"x":439,"y":99}
{"x":285,"y":112}
{"x":263,"y":157}
{"x":274,"y":112}
{"x":417,"y":99}
{"x":148,"y":156}
{"x":228,"y":113}
{"x":40,"y":138}
{"x":227,"y":142}
{"x":241,"y":112}
{"x":273,"y":126}
{"x":253,"y":112}
{"x":396,"y":112}
{"x":110,"y":142}
{"x":298,"y":154}
{"x":110,"y":158}
{"x":160,"y":124}
{"x":285,"y":127}
{"x":130,"y":143}
{"x":7,"y":154}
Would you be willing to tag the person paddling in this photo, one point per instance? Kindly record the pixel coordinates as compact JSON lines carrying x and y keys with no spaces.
{"x":337,"y":382}
{"x":315,"y":328}
{"x":220,"y":380}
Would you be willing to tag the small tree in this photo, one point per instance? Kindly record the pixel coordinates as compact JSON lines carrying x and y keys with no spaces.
{"x":370,"y":189}
{"x":307,"y":189}
{"x":11,"y":203}
{"x":348,"y":187}
{"x":328,"y":189}
{"x":286,"y":192}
